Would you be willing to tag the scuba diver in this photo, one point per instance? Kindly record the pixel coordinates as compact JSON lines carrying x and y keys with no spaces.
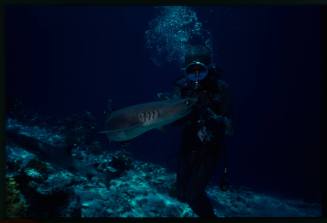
{"x":203,"y":130}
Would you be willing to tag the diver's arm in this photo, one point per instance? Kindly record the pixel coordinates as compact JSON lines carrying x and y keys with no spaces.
{"x":222,"y":114}
{"x":223,"y":96}
{"x":220,"y":110}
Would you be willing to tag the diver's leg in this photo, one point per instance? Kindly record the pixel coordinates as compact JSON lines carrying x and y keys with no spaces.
{"x":202,"y":206}
{"x":203,"y":170}
{"x":183,"y":174}
{"x":185,"y":163}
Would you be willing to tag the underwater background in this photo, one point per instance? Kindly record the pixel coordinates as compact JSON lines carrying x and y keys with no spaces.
{"x":64,"y":63}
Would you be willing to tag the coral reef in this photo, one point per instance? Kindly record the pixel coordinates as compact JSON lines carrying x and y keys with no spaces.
{"x":112,"y":183}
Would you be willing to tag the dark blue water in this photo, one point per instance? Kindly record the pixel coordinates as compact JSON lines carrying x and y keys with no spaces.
{"x":65,"y":60}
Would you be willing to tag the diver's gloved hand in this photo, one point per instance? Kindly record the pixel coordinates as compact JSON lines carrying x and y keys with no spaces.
{"x":204,"y":135}
{"x":226,"y":121}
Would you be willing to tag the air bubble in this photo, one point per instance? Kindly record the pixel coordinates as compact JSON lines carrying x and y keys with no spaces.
{"x":171,"y":33}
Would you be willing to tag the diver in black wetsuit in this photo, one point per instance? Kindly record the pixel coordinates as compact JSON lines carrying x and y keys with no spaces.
{"x":203,"y":129}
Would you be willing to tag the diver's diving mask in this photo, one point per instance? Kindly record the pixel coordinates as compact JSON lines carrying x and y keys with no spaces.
{"x":196,"y":71}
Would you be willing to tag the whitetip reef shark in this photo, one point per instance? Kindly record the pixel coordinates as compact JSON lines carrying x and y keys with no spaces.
{"x":127,"y":123}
